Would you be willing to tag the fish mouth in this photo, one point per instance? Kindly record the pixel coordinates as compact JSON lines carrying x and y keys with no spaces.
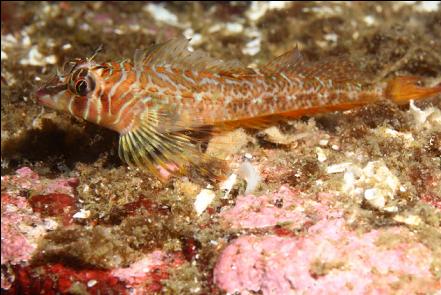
{"x":43,"y":98}
{"x":47,"y":95}
{"x":41,"y":92}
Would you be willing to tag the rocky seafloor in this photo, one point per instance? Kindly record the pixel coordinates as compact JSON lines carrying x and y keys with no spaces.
{"x":341,"y":203}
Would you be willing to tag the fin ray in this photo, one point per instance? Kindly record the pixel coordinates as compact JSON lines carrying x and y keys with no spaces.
{"x":339,"y":70}
{"x":403,"y":89}
{"x":175,"y":52}
{"x":150,"y":147}
{"x":286,"y":61}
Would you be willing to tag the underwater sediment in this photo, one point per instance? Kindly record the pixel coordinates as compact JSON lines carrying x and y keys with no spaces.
{"x":345,"y":201}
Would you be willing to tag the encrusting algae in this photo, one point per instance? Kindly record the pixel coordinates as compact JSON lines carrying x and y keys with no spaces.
{"x":168,"y":93}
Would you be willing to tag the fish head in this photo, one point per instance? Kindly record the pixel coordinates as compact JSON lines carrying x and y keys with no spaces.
{"x":72,"y":89}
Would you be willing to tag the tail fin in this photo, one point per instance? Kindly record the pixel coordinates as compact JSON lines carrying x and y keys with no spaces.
{"x":403,"y":89}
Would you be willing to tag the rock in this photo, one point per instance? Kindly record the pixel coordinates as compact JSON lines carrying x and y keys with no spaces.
{"x":285,"y":206}
{"x":328,"y":259}
{"x":25,"y":220}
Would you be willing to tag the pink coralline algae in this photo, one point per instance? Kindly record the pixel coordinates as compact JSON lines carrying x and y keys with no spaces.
{"x":145,"y":275}
{"x":329,"y":259}
{"x":24,"y":218}
{"x":31,"y":206}
{"x":16,"y":219}
{"x":286,"y":206}
{"x":26,"y":179}
{"x":20,"y":231}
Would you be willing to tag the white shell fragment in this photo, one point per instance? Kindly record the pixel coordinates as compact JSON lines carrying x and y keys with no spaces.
{"x":35,"y":58}
{"x":429,"y":118}
{"x":161,"y":14}
{"x":248,"y":172}
{"x":375,"y":183}
{"x":203,"y":200}
{"x":375,"y":197}
{"x":337,"y":168}
{"x":408,"y":219}
{"x":82,"y":214}
{"x":228,"y":184}
{"x":323,"y":142}
{"x":321,"y":156}
{"x":91,"y":283}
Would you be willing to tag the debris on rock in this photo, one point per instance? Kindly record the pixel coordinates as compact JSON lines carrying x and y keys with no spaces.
{"x":203,"y":200}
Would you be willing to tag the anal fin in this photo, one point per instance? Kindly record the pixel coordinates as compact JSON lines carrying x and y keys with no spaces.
{"x":264,"y":121}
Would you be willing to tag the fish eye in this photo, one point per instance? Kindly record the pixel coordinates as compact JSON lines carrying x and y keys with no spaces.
{"x":81,"y":82}
{"x":81,"y":87}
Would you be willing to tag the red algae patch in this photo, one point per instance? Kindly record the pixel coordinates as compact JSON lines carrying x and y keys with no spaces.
{"x":55,"y":205}
{"x":142,"y":277}
{"x":57,"y":278}
{"x":329,"y":259}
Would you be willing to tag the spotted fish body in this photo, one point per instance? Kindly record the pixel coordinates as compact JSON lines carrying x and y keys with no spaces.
{"x":168,"y":90}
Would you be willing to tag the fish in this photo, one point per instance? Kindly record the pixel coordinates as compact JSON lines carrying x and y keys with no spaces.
{"x":166,"y":94}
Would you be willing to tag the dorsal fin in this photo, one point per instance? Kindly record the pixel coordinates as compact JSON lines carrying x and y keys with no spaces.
{"x":340,"y":70}
{"x":286,"y":62}
{"x":175,"y":52}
